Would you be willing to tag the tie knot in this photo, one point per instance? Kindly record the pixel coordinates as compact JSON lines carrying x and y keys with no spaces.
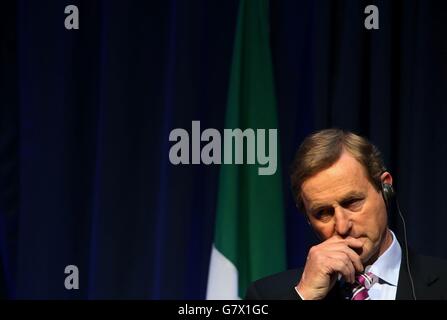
{"x":363,"y":282}
{"x":367,"y":279}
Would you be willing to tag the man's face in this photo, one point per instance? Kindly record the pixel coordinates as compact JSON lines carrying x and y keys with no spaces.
{"x":341,"y":201}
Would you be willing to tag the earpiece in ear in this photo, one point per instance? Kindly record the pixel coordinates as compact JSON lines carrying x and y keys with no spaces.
{"x":387,"y":193}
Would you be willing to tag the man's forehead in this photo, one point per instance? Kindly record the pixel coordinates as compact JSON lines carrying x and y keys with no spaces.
{"x":344,"y":176}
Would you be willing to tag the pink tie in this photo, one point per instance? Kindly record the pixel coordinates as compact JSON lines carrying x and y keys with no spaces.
{"x":363,"y":282}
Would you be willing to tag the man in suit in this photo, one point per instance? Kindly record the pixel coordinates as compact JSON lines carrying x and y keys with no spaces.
{"x":340,"y":182}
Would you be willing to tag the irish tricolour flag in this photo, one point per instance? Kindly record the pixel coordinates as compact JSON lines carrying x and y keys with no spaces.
{"x":249,"y":240}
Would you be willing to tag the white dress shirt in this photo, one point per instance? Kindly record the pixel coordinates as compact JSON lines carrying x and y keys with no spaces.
{"x":386,"y":267}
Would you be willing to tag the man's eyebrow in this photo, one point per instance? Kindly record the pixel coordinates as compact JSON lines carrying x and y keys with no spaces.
{"x":348,"y":196}
{"x":352,"y":195}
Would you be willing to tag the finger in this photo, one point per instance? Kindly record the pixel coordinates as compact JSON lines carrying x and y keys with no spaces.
{"x":354,"y":257}
{"x":354,"y":242}
{"x":342,"y":247}
{"x":348,"y":266}
{"x":334,"y":238}
{"x":352,"y":268}
{"x":343,"y":265}
{"x":349,"y":241}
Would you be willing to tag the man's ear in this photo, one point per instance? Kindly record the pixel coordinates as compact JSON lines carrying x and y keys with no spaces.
{"x":386,"y":178}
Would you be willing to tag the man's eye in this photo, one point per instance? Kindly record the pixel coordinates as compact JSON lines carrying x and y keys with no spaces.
{"x":353,"y":204}
{"x":323,"y":215}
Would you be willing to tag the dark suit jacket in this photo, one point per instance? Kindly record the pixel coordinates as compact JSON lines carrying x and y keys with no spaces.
{"x":429,"y":277}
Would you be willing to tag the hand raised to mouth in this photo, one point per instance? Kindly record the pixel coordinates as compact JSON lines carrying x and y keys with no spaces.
{"x":325,"y":262}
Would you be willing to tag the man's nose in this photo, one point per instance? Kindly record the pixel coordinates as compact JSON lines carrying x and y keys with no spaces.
{"x":342,"y":222}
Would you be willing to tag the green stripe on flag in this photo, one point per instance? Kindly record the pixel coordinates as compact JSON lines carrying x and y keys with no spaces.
{"x":250,"y":219}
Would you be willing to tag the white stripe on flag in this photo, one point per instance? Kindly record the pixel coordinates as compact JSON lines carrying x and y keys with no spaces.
{"x":222,"y":278}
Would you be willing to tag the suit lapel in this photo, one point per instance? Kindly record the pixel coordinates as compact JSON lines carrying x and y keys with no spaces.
{"x":423,"y":278}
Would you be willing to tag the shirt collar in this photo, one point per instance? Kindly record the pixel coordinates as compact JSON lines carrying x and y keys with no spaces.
{"x":387,"y":266}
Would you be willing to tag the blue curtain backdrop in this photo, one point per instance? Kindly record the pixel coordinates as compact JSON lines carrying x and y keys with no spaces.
{"x":85,"y":117}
